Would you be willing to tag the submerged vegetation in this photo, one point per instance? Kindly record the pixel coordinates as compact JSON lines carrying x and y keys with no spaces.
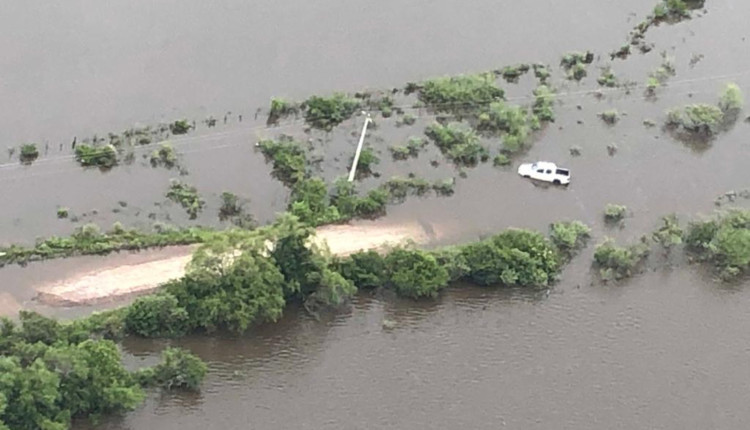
{"x":458,"y":143}
{"x":569,"y":236}
{"x":104,"y":157}
{"x":411,"y":149}
{"x":723,"y":241}
{"x":325,"y":113}
{"x":164,"y":156}
{"x":187,"y":196}
{"x":703,"y":120}
{"x":616,"y":262}
{"x":614,"y":213}
{"x":178,"y":127}
{"x":460,"y":95}
{"x":29,"y":153}
{"x":280,"y":109}
{"x":574,"y":63}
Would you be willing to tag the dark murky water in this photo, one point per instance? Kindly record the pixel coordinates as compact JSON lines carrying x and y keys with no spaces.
{"x":667,"y":350}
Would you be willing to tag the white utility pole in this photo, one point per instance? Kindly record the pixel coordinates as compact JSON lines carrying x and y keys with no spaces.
{"x":359,"y":148}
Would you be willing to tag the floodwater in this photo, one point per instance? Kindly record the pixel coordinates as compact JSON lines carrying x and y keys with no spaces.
{"x":666,"y":350}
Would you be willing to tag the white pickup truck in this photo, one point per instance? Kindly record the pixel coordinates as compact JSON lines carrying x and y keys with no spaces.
{"x":545,"y":171}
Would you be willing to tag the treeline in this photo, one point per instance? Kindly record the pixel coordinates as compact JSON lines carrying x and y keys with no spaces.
{"x":51,"y":372}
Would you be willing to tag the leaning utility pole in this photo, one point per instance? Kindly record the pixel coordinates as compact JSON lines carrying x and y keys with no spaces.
{"x":359,"y":148}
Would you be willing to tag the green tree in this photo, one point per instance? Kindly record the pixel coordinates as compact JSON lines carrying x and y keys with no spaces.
{"x":157,"y":315}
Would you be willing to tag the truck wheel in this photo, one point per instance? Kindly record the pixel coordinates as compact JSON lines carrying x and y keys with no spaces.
{"x":556,"y":182}
{"x":525,"y":176}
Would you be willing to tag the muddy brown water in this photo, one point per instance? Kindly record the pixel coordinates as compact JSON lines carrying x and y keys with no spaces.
{"x":666,"y":350}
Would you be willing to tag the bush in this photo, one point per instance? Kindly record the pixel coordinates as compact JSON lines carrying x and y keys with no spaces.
{"x":104,"y":157}
{"x":179,"y":127}
{"x":164,"y":156}
{"x":325,"y":113}
{"x":29,"y":153}
{"x":610,"y":117}
{"x":574,"y":63}
{"x":723,"y":242}
{"x":178,"y":369}
{"x":415,"y":273}
{"x":310,"y":203}
{"x":367,"y":159}
{"x":289,"y":160}
{"x":569,"y":236}
{"x":280,"y":108}
{"x":616,"y":263}
{"x":158,"y":315}
{"x":62,"y":213}
{"x":512,"y":258}
{"x":460,"y":94}
{"x":187,"y":196}
{"x":501,"y":160}
{"x":669,"y":234}
{"x":614,"y":213}
{"x":731,"y":100}
{"x":542,"y":72}
{"x":608,"y":78}
{"x":366,"y":269}
{"x":444,"y":187}
{"x":408,"y":119}
{"x":543,"y":103}
{"x":398,"y":188}
{"x":512,"y":73}
{"x":512,"y":120}
{"x":697,"y":119}
{"x":460,"y":145}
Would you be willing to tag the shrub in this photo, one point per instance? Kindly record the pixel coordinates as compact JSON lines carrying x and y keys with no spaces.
{"x":178,"y":369}
{"x":29,"y":153}
{"x":501,"y":160}
{"x":158,"y":315}
{"x":543,"y":103}
{"x":164,"y":156}
{"x":512,"y":258}
{"x":399,"y":152}
{"x":610,"y":117}
{"x":281,"y":108}
{"x":569,"y":236}
{"x":731,"y":99}
{"x":542,"y":72}
{"x":669,"y":234}
{"x":574,"y":63}
{"x":104,"y":157}
{"x":415,"y":273}
{"x":444,"y":187}
{"x":723,"y":242}
{"x":325,"y":113}
{"x":615,"y":262}
{"x":310,"y":202}
{"x":512,"y":73}
{"x":408,"y":119}
{"x":367,"y":159}
{"x":366,"y":269}
{"x":614,"y":213}
{"x":608,"y":78}
{"x":62,"y":213}
{"x":289,"y":160}
{"x":181,"y":126}
{"x":187,"y":196}
{"x":459,"y":144}
{"x":697,"y":119}
{"x":512,"y":120}
{"x":460,"y":94}
{"x":398,"y":188}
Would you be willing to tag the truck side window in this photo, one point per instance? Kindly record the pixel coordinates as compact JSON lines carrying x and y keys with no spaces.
{"x":549,"y":171}
{"x":540,"y":171}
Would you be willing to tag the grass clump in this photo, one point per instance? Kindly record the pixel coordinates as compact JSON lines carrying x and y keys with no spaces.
{"x":104,"y":157}
{"x":187,"y":196}
{"x":610,"y":117}
{"x":459,"y":144}
{"x":614,"y":213}
{"x":407,"y":119}
{"x":181,"y":126}
{"x":325,"y":113}
{"x":569,"y":236}
{"x":280,"y":109}
{"x":723,"y":242}
{"x":398,"y":188}
{"x":62,"y":213}
{"x":616,"y":263}
{"x":164,"y":156}
{"x":460,"y":94}
{"x":28,"y":153}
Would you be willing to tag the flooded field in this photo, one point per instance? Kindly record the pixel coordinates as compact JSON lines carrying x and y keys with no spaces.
{"x":664,"y":350}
